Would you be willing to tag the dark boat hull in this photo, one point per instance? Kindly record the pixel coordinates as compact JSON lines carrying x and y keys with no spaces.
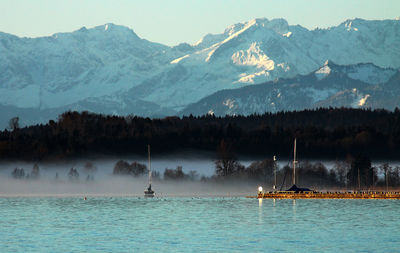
{"x":148,"y":194}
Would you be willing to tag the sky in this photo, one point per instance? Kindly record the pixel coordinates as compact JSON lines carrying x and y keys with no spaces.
{"x":172,"y":22}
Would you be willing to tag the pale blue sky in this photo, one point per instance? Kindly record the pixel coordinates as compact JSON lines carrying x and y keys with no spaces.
{"x":173,"y":21}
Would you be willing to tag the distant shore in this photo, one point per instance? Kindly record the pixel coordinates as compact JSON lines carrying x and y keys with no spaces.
{"x":333,"y":133}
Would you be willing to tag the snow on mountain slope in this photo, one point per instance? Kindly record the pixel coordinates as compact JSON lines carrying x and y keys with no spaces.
{"x":118,"y":72}
{"x":329,"y":86}
{"x":211,"y":39}
{"x":366,"y":72}
{"x":65,"y":68}
{"x":263,"y":50}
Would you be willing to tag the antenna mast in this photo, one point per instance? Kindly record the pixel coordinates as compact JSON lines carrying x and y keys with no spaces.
{"x":148,"y":151}
{"x":294,"y":163}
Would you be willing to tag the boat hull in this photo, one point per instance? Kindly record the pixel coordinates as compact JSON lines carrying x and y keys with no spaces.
{"x":149,"y":193}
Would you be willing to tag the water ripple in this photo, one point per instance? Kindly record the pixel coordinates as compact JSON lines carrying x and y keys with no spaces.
{"x":113,"y":224}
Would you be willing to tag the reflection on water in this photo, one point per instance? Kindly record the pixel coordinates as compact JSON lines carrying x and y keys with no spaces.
{"x":124,"y":224}
{"x":294,"y":210}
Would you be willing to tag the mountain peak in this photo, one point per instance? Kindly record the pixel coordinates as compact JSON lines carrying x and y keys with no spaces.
{"x":106,"y":26}
{"x":323,"y":72}
{"x":112,"y":27}
{"x":328,"y":67}
{"x":234,"y":28}
{"x":109,"y":27}
{"x":366,"y":72}
{"x":82,"y":29}
{"x":278,"y":25}
{"x":330,"y":64}
{"x":259,"y":21}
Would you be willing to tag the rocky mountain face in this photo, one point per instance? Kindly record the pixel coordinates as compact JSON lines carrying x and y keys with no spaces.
{"x":329,"y":86}
{"x":109,"y":69}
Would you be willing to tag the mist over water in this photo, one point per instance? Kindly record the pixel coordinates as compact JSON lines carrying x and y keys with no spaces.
{"x":119,"y":186}
{"x":54,"y":179}
{"x":100,"y":181}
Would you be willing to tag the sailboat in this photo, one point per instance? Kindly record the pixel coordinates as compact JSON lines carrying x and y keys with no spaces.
{"x":294,"y":188}
{"x":149,"y":193}
{"x":295,"y":192}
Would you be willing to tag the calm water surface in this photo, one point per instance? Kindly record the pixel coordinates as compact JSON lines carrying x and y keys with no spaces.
{"x":127,"y":224}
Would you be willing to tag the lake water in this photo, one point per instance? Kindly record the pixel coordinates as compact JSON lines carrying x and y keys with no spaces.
{"x":190,"y":224}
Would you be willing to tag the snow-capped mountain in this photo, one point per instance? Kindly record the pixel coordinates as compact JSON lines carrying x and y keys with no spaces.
{"x":329,"y":85}
{"x":66,"y":68}
{"x":109,"y":69}
{"x":263,"y":50}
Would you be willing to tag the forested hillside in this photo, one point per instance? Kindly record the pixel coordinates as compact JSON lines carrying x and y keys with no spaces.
{"x":322,"y":133}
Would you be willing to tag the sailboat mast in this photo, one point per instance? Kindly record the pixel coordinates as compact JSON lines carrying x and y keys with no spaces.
{"x":294,"y":163}
{"x":148,"y":151}
{"x":274,"y":173}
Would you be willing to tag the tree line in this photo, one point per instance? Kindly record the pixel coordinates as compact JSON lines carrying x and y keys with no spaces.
{"x":354,"y":172}
{"x":321,"y":133}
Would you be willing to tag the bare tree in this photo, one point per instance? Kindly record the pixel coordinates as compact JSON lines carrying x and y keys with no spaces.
{"x":226,"y":164}
{"x":13,"y":124}
{"x":342,"y":168}
{"x":386,"y":169}
{"x":35,"y":174}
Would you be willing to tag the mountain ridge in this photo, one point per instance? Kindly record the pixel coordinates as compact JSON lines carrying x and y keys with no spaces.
{"x":336,"y":89}
{"x":111,"y":64}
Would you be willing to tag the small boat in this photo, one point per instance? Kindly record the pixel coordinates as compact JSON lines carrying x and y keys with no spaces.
{"x":149,"y":193}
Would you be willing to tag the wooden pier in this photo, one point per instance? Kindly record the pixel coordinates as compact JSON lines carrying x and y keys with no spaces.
{"x":327,"y":195}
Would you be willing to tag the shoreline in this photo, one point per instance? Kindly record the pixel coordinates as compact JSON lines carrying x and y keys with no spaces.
{"x":327,"y":195}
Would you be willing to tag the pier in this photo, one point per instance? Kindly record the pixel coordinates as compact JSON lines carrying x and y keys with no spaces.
{"x":327,"y":195}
